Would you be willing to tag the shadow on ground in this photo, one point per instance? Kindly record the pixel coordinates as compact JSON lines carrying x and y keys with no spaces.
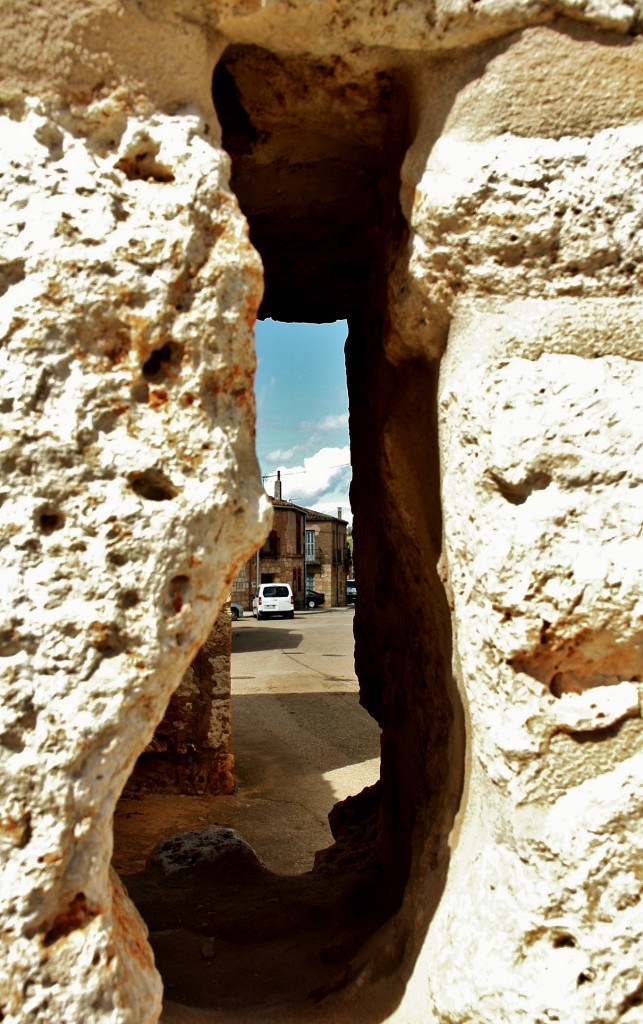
{"x":262,"y":638}
{"x":235,"y":936}
{"x":238,"y":936}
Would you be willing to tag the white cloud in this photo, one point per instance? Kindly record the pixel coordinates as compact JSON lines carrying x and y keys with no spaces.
{"x":321,"y":482}
{"x":284,"y":454}
{"x":333,"y":422}
{"x":263,"y":394}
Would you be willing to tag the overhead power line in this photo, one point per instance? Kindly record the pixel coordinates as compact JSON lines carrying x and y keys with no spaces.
{"x":300,"y":472}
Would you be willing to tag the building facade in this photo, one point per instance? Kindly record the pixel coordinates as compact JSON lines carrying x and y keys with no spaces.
{"x":304,"y":548}
{"x":327,"y":556}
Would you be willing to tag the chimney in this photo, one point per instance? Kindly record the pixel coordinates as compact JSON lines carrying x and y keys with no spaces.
{"x":278,"y":485}
{"x":339,"y":511}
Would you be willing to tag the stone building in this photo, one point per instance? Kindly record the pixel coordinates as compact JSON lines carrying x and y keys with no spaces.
{"x":463,"y":183}
{"x":304,"y":548}
{"x":327,"y":556}
{"x":280,"y":559}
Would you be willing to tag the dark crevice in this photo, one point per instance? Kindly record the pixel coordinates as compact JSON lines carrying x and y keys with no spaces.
{"x":239,"y":135}
{"x":163,"y":363}
{"x":49,"y":520}
{"x":634,"y":998}
{"x":153,"y":485}
{"x":74,"y":916}
{"x":144,"y":167}
{"x":517,"y":493}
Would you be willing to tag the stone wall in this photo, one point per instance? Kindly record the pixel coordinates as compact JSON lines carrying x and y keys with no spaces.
{"x":191,"y":750}
{"x":483,"y":166}
{"x":130,"y":487}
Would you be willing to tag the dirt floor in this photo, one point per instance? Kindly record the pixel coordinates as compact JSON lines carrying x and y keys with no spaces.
{"x":267,"y":938}
{"x":241,"y":938}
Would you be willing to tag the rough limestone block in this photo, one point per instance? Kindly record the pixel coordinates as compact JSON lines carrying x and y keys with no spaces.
{"x":524,"y":275}
{"x":129,"y":493}
{"x":205,"y":851}
{"x":542,"y":467}
{"x":531,"y":216}
{"x":418,"y":26}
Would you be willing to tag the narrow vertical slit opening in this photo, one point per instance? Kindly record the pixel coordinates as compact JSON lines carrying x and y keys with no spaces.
{"x":316,"y":149}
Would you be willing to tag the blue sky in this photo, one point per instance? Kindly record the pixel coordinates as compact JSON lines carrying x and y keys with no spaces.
{"x":302,"y":412}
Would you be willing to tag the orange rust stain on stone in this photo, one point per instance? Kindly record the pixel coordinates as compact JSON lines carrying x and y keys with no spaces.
{"x":252,"y":308}
{"x":177,"y":592}
{"x":50,"y":858}
{"x":226,"y":382}
{"x":119,"y":350}
{"x":140,"y":327}
{"x":128,"y":929}
{"x":126,"y":295}
{"x":77,"y":913}
{"x":157,"y":398}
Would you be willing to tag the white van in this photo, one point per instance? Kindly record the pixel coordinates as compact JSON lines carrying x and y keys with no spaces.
{"x":273,"y":599}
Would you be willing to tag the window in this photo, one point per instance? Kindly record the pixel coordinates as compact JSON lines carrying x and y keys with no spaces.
{"x":273,"y":545}
{"x":310,"y":545}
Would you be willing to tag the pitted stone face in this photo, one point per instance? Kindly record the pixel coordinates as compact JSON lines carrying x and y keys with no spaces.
{"x":127,"y":371}
{"x":208,"y":850}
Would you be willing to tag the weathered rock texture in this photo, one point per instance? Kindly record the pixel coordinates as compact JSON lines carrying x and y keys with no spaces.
{"x":489,"y":160}
{"x":129,"y":494}
{"x":191,"y":749}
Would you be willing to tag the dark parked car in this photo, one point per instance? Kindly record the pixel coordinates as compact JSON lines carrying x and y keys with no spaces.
{"x":351,"y":592}
{"x":314,"y":598}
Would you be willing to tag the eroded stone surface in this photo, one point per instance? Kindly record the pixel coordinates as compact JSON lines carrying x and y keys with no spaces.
{"x":209,"y":849}
{"x":547,"y":598}
{"x":540,"y":426}
{"x":129,"y":297}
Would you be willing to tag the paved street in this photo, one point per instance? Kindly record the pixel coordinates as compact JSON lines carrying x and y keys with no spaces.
{"x":300,"y":739}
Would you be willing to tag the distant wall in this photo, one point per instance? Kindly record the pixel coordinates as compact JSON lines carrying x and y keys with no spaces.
{"x":191,"y":750}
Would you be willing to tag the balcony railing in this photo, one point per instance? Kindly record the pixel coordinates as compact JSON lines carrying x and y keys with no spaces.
{"x":314,"y":554}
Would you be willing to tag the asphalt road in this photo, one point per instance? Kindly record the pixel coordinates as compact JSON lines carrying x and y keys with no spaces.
{"x":300,"y":738}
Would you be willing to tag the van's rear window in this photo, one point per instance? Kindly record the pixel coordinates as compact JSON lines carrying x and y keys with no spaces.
{"x":275,"y":591}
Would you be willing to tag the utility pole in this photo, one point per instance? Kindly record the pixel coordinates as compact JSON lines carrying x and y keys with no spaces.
{"x":305,"y":578}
